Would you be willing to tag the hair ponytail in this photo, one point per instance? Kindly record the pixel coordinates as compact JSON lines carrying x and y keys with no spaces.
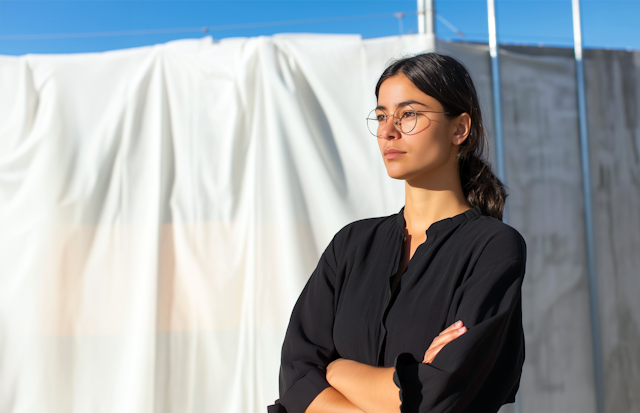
{"x":481,"y":186}
{"x":448,"y":81}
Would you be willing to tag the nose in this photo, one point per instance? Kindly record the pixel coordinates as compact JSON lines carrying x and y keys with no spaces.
{"x":388,"y":130}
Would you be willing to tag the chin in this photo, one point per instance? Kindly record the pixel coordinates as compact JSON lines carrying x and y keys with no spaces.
{"x":397,"y":173}
{"x":406,"y":174}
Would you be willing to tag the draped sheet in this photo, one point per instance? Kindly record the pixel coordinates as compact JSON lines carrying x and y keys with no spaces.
{"x":162,"y":207}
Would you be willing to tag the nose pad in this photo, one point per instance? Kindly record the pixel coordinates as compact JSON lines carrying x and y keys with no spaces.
{"x":389,"y":131}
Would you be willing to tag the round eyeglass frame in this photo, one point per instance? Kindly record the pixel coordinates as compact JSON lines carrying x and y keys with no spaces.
{"x":397,"y":124}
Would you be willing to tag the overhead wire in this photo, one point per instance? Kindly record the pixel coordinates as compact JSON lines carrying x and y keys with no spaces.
{"x":202,"y":29}
{"x":206,"y":29}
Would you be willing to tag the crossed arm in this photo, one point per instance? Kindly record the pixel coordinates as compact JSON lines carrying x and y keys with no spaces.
{"x":361,"y":388}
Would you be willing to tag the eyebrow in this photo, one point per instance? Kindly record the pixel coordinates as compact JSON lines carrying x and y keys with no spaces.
{"x":406,"y":102}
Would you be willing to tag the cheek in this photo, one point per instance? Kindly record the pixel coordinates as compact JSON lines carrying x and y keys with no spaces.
{"x":431,"y":148}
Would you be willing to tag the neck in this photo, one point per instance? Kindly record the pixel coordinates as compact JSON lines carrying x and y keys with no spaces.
{"x":431,"y":199}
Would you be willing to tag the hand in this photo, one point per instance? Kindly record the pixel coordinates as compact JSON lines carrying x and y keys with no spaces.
{"x":452,"y":332}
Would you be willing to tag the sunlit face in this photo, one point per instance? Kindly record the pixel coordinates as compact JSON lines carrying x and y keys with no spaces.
{"x":423,"y":152}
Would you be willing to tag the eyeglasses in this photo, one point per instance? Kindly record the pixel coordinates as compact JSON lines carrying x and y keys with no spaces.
{"x":407,"y":121}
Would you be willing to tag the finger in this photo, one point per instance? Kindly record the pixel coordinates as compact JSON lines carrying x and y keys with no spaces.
{"x":431,"y":354}
{"x":434,"y":350}
{"x":436,"y":346}
{"x":453,"y":326}
{"x":440,"y":341}
{"x":451,"y":335}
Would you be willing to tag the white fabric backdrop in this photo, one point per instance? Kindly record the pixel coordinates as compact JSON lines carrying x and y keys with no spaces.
{"x":162,"y":207}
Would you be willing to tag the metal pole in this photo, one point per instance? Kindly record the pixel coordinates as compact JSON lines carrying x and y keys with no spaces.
{"x":588,"y":217}
{"x":426,"y":17}
{"x":400,"y":16}
{"x":497,"y":96}
{"x":430,"y":18}
{"x":421,"y":24}
{"x":497,"y":120}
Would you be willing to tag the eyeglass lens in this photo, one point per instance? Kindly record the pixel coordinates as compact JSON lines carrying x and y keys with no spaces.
{"x":405,"y":120}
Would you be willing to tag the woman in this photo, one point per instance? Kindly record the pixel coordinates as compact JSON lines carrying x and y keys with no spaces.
{"x":420,"y":310}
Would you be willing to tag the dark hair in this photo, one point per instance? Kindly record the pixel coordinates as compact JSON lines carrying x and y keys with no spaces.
{"x":448,"y":81}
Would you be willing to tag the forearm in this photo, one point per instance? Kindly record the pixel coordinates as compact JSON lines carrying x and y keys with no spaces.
{"x":331,"y":400}
{"x":370,"y":388}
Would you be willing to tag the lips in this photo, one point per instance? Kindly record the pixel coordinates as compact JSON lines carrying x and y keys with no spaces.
{"x":392,"y":153}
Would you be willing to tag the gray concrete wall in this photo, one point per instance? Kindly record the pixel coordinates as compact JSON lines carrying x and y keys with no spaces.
{"x":546,"y":204}
{"x":613,"y":105}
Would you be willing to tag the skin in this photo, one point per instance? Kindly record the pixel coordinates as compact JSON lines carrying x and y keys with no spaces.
{"x":426,"y":161}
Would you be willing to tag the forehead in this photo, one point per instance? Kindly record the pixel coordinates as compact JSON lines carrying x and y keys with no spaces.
{"x":398,"y":90}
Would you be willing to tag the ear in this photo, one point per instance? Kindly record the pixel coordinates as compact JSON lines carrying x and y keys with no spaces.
{"x":461,"y":127}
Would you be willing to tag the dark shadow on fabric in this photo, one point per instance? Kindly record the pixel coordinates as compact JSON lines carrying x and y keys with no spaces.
{"x":323,"y":137}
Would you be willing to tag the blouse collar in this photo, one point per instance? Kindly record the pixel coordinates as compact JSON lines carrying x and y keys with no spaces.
{"x":444,"y":223}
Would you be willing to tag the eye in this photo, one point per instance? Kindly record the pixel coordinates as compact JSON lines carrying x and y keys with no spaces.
{"x":381,"y":118}
{"x":408,"y":115}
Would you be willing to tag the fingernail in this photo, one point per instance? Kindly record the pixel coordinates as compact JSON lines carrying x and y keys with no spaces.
{"x":462,"y":330}
{"x":458,"y":323}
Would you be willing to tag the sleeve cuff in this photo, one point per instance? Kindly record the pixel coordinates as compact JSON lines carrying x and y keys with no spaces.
{"x":301,"y":394}
{"x":406,"y":377}
{"x":276,"y":408}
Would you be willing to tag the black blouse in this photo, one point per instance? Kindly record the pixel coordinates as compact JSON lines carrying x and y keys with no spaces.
{"x":470,"y":268}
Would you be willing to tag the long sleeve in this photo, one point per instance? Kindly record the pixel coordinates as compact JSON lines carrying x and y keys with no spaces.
{"x":308,"y":345}
{"x":480,"y":370}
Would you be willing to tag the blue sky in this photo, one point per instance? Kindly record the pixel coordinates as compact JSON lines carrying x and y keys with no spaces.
{"x":606,"y":23}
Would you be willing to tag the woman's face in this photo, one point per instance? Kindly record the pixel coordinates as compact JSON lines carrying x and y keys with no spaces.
{"x":419,"y":154}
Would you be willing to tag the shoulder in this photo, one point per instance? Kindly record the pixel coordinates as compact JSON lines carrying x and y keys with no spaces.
{"x":362,"y":232}
{"x":356,"y":235}
{"x":497,"y":241}
{"x":366,"y":228}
